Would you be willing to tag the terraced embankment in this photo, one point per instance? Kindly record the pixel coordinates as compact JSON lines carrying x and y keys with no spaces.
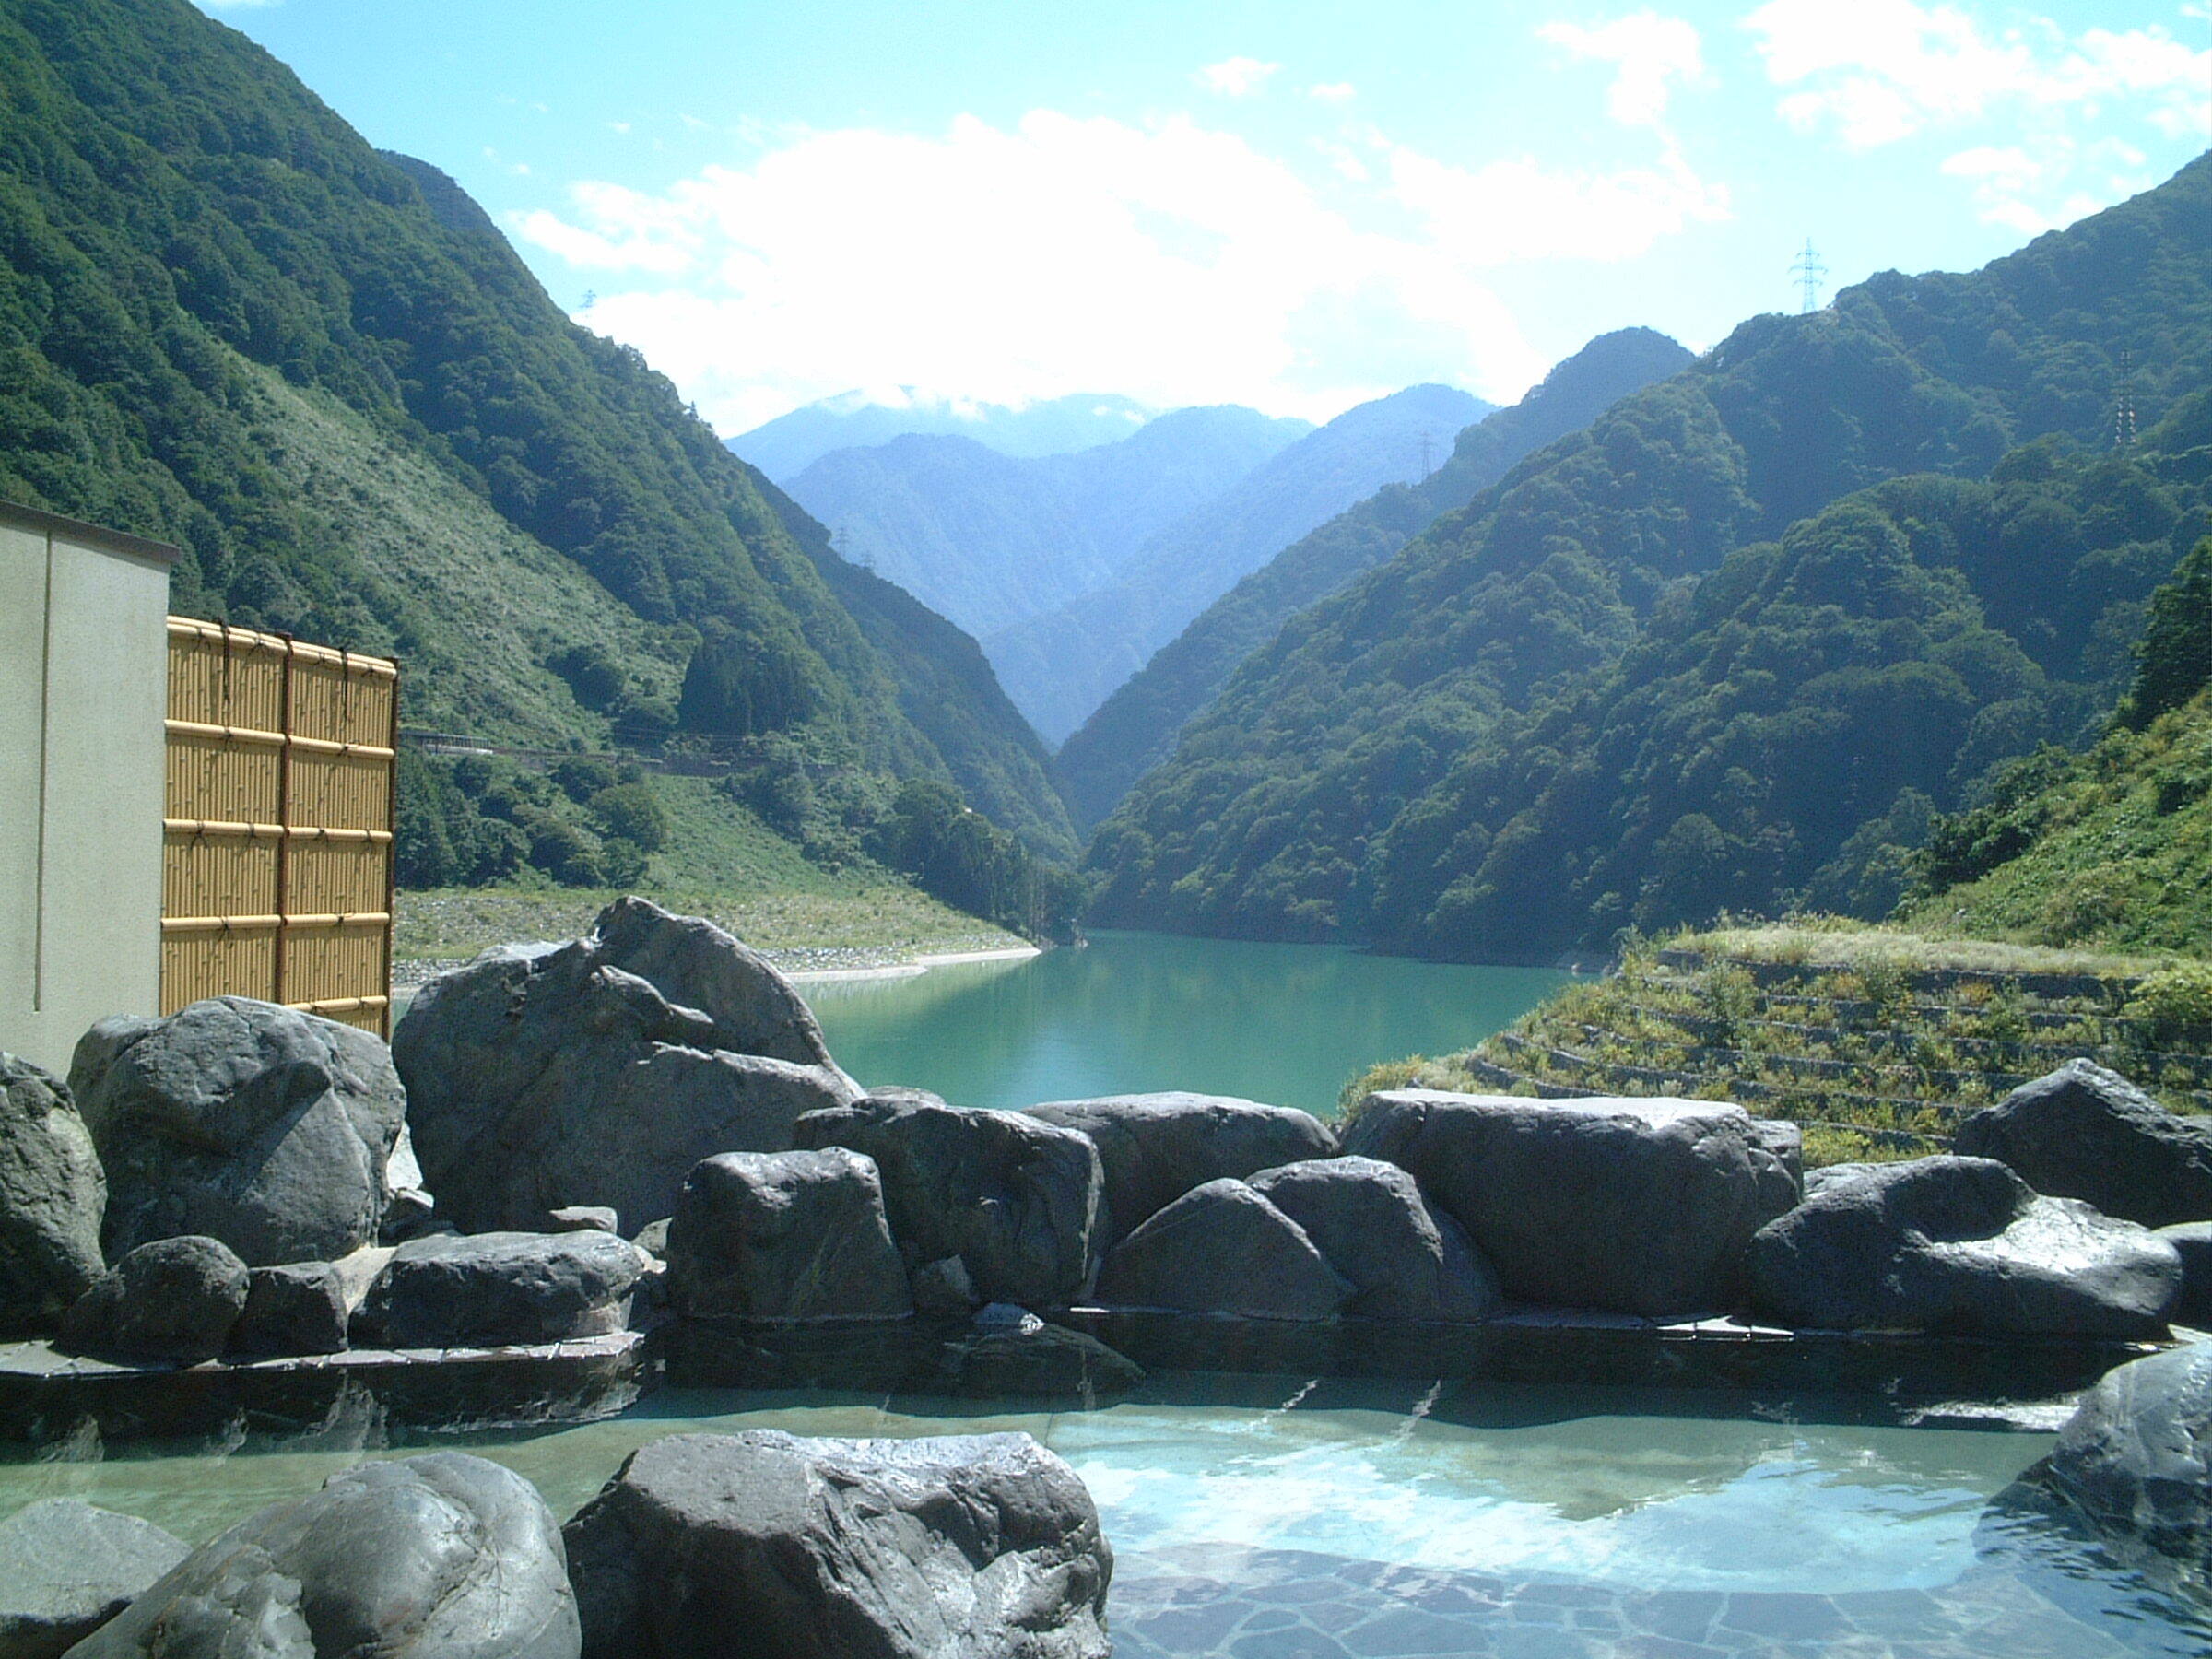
{"x":1878,"y":1044}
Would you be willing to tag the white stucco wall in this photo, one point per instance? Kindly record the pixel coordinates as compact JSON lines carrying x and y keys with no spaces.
{"x":84,"y":662}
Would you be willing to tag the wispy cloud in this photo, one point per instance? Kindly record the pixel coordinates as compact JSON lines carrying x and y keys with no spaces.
{"x":1333,"y":91}
{"x":1650,"y":53}
{"x":1238,"y":77}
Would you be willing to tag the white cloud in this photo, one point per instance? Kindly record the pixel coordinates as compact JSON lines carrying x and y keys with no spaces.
{"x":1649,"y":52}
{"x":1169,"y":261}
{"x":1333,"y":91}
{"x":1237,"y":77}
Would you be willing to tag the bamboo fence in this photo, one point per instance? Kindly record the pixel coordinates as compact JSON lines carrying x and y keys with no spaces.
{"x":277,"y":868}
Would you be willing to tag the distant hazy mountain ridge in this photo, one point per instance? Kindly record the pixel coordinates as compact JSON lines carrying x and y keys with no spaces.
{"x":784,"y":447}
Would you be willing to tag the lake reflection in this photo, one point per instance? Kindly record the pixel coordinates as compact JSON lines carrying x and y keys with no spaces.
{"x":1138,"y":1012}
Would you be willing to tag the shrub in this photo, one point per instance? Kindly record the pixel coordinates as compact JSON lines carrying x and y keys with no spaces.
{"x":2176,"y":1003}
{"x":631,"y":812}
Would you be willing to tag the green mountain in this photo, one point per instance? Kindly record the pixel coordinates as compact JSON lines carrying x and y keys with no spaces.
{"x":1632,"y":639}
{"x":1134,"y":729}
{"x":226,"y":322}
{"x":786,"y":446}
{"x":1061,"y":666}
{"x":2113,"y":847}
{"x":989,"y":540}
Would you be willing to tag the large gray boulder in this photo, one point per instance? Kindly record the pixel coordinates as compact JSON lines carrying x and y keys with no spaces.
{"x":52,"y":1196}
{"x":1155,"y":1148}
{"x":443,"y":1557}
{"x":2192,"y":1240}
{"x":599,"y":1071}
{"x":2135,"y":1458}
{"x":1013,"y":1198}
{"x":784,"y":1236}
{"x":500,"y":1289}
{"x":2083,"y":1132}
{"x":1960,"y":1245}
{"x":969,"y":1546}
{"x":299,"y":1308}
{"x":1370,"y":1224}
{"x":1222,"y":1247}
{"x":67,"y":1568}
{"x":1633,"y":1205}
{"x":256,"y":1124}
{"x":174,"y":1301}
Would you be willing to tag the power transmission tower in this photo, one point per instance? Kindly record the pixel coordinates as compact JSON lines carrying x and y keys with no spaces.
{"x":1424,"y":452}
{"x":2123,"y":404}
{"x":1808,"y":271}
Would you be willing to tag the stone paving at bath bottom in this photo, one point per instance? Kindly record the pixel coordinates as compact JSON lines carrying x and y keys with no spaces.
{"x":1274,"y":1604}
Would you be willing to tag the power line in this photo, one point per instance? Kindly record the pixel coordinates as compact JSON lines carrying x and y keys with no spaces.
{"x":1808,"y":271}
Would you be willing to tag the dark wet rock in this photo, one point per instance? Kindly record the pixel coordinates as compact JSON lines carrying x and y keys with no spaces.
{"x":599,"y":1071}
{"x":267,"y":1128}
{"x":2083,"y":1132}
{"x":2192,"y":1240}
{"x":1155,"y":1148}
{"x":67,"y":1567}
{"x":1015,"y":1199}
{"x":1222,"y":1247}
{"x":1631,"y":1206}
{"x":1370,"y":1222}
{"x":583,"y":1217}
{"x":784,"y":1236}
{"x":944,"y":1287}
{"x":443,"y":1557}
{"x":1029,"y":1358}
{"x":1960,"y":1245}
{"x":500,"y":1289}
{"x":2135,"y":1458}
{"x":299,"y":1308}
{"x":968,"y":1547}
{"x":51,"y":1196}
{"x":174,"y":1299}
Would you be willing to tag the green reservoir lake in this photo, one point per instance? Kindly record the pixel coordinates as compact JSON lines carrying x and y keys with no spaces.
{"x":1134,"y":1012}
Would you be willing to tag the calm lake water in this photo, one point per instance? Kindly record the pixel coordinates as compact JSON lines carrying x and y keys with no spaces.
{"x":1134,"y":1012}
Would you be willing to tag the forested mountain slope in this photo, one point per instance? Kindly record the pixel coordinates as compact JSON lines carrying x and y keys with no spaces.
{"x":1134,"y":729}
{"x":1060,"y":665}
{"x":989,"y":540}
{"x":226,"y":322}
{"x":1412,"y":760}
{"x":786,"y":446}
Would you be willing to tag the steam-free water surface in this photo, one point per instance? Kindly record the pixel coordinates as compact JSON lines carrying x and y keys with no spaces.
{"x":1136,"y":1012}
{"x":1288,"y":1519}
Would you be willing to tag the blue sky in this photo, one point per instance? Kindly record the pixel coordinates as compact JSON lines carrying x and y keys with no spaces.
{"x":1294,"y":206}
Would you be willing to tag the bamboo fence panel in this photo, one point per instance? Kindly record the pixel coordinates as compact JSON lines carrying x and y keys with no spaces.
{"x":278,"y":862}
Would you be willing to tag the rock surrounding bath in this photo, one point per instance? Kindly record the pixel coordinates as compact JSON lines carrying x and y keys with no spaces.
{"x":500,"y":1289}
{"x":784,"y":1237}
{"x":175,"y":1301}
{"x":1960,"y":1245}
{"x":52,"y":1196}
{"x":67,"y":1567}
{"x":1222,"y":1247}
{"x":2192,"y":1241}
{"x":1631,"y":1206}
{"x":267,"y":1128}
{"x":968,"y":1547}
{"x":1155,"y":1147}
{"x":1369,"y":1223}
{"x":597,"y":1073}
{"x":2137,"y":1456}
{"x":1009,"y":1351}
{"x":1013,"y":1198}
{"x":443,"y":1557}
{"x":299,"y":1308}
{"x":2083,"y":1132}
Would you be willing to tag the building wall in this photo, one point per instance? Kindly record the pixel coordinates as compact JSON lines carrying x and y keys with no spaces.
{"x":83,"y":685}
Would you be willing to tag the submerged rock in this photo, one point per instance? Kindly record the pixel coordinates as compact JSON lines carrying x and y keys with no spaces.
{"x":175,"y":1300}
{"x":1369,"y":1223}
{"x":444,"y":1556}
{"x":598,"y":1072}
{"x":500,"y":1289}
{"x":968,"y":1547}
{"x":1028,"y":1357}
{"x":784,"y":1237}
{"x":67,"y":1567}
{"x":52,"y":1197}
{"x":2135,"y":1458}
{"x":1222,"y":1247}
{"x":267,"y":1128}
{"x":2083,"y":1132}
{"x":1632,"y":1205}
{"x":1959,"y":1245}
{"x":1013,"y":1198}
{"x":1155,"y":1147}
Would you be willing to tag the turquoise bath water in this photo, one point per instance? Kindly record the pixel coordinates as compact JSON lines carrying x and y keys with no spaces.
{"x":1287,"y":1024}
